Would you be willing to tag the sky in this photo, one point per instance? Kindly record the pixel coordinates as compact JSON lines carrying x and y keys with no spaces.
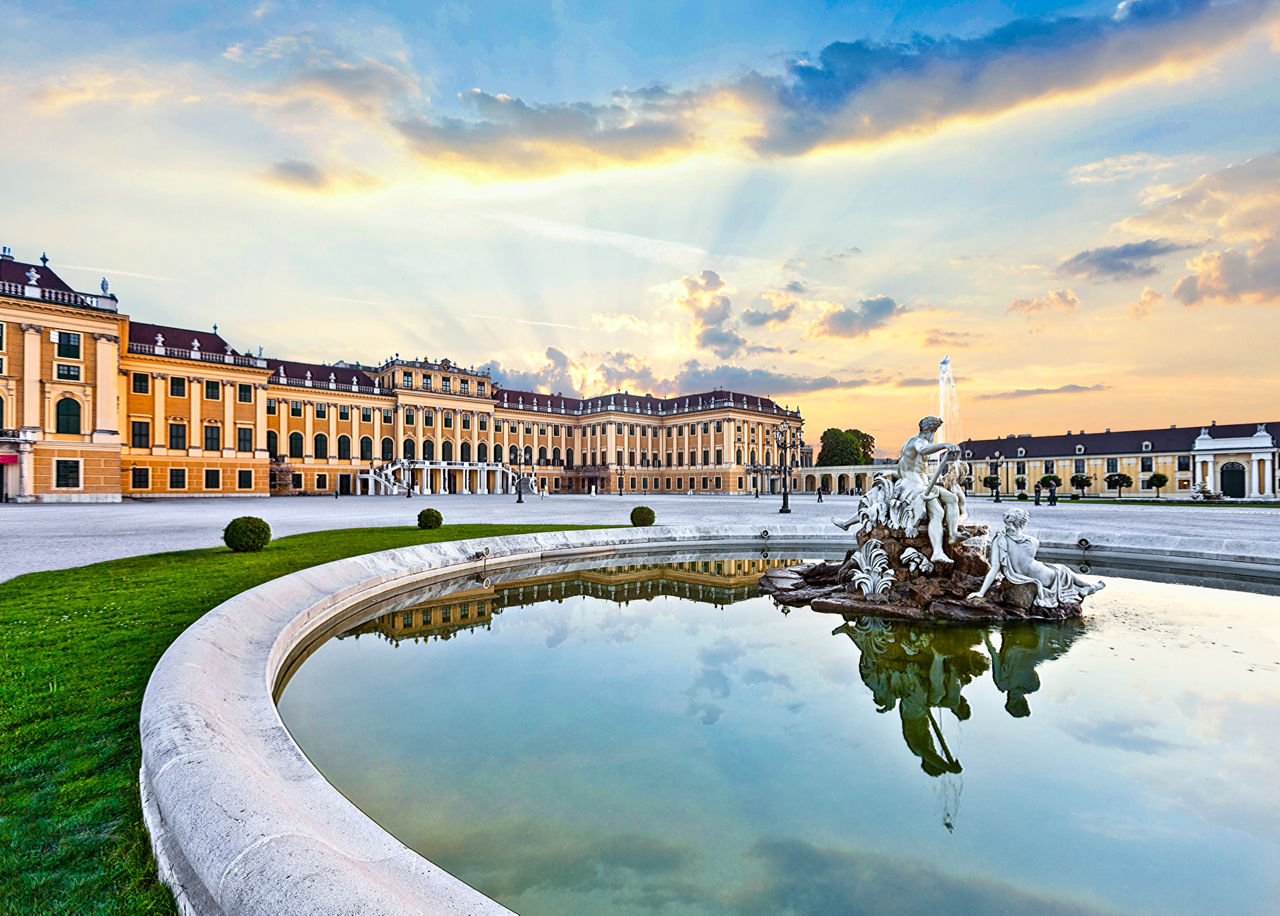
{"x":814,"y":201}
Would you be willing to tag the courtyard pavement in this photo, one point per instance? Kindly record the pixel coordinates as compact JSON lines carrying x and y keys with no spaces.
{"x":58,"y":536}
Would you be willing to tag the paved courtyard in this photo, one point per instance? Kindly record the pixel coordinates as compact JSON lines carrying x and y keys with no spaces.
{"x":40,"y":537}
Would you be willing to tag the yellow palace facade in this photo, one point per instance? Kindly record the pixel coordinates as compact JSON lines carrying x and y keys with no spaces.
{"x":95,"y":407}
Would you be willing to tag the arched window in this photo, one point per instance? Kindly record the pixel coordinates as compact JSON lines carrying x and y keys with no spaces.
{"x":568,"y":457}
{"x":555,"y":457}
{"x":68,"y":416}
{"x":768,"y":458}
{"x":1,"y":411}
{"x":753,"y":456}
{"x":273,"y":443}
{"x":409,"y":449}
{"x":295,"y":445}
{"x":482,"y":452}
{"x":446,"y":450}
{"x":514,"y":453}
{"x":366,"y":448}
{"x":464,"y":451}
{"x":428,"y":450}
{"x":528,"y":454}
{"x":542,"y":454}
{"x":322,"y":445}
{"x":388,"y":449}
{"x":738,"y":458}
{"x":344,"y":447}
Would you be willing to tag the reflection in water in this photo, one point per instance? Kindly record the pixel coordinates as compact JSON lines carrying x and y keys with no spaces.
{"x":919,"y":669}
{"x":715,"y":582}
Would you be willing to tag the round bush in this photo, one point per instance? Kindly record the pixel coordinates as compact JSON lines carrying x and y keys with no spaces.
{"x":642,"y":516}
{"x":247,"y":534}
{"x":1022,"y":496}
{"x":430,"y":518}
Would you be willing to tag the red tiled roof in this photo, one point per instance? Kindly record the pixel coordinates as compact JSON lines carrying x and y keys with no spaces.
{"x":16,"y":272}
{"x":343,"y":375}
{"x":142,"y":333}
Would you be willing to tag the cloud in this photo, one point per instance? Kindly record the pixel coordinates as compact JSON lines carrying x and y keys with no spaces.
{"x":365,"y":90}
{"x":852,"y":93}
{"x":1035,"y":392}
{"x":753,"y":676}
{"x":915,"y":383}
{"x":1125,"y":734}
{"x":300,"y":175}
{"x":936,"y":337}
{"x":1239,"y":203}
{"x":1062,"y":300}
{"x":1233,"y":276}
{"x":1115,"y":168}
{"x":845,"y":321}
{"x":1147,"y":301}
{"x":724,"y":342}
{"x":136,"y":89}
{"x":1119,"y":262}
{"x":782,"y":307}
{"x":710,"y":308}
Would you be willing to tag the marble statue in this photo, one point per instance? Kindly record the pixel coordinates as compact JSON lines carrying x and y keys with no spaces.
{"x":910,"y":496}
{"x":1013,"y":556}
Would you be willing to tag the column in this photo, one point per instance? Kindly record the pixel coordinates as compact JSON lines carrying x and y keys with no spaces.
{"x":229,"y":419}
{"x":195,"y":432}
{"x":1254,"y":472}
{"x":159,"y":428}
{"x":106,"y":423}
{"x":260,"y":420}
{"x":1268,"y":475}
{"x":31,"y":343}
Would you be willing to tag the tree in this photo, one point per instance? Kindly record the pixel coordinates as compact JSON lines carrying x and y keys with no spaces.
{"x":992,"y":483}
{"x":1118,"y":482}
{"x":1081,"y":482}
{"x":1156,"y":481}
{"x":1050,"y":479}
{"x":847,"y":446}
{"x":1020,"y":483}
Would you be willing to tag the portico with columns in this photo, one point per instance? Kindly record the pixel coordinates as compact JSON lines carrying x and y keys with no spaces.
{"x":1238,"y":466}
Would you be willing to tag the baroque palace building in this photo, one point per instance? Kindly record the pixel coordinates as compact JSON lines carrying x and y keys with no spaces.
{"x":95,"y":406}
{"x":1237,"y":460}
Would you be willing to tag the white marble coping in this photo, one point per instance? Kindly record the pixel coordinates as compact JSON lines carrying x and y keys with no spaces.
{"x":240,"y":820}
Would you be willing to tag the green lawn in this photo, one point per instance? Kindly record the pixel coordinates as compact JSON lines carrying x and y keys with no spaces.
{"x":76,"y":649}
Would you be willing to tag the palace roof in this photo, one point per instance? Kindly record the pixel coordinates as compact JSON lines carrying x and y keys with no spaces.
{"x":1120,"y":442}
{"x":632,"y":403}
{"x":297,"y":372}
{"x":140,"y":332}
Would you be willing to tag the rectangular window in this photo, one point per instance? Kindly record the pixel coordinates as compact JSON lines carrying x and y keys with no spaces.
{"x":406,"y":379}
{"x":177,"y":478}
{"x":139,"y":478}
{"x":464,"y":610}
{"x":719,"y":428}
{"x":717,"y":483}
{"x":465,"y":387}
{"x":322,"y":481}
{"x":426,"y":383}
{"x":344,"y":412}
{"x":428,"y":418}
{"x":1079,"y":466}
{"x":68,"y":372}
{"x":212,"y":438}
{"x":296,"y":481}
{"x":446,"y":614}
{"x":322,"y":411}
{"x":386,"y":417}
{"x":212,"y":479}
{"x":1113,"y":465}
{"x":480,"y":388}
{"x":448,"y":420}
{"x":484,"y":421}
{"x":141,"y":383}
{"x":177,"y":387}
{"x":706,"y":456}
{"x":66,"y":475}
{"x":1148,"y":465}
{"x":213,"y":390}
{"x":679,"y":483}
{"x":295,"y":408}
{"x":1184,"y":462}
{"x":244,"y":394}
{"x":244,"y":438}
{"x":446,"y":384}
{"x":466,"y":421}
{"x":140,"y":434}
{"x":69,"y":348}
{"x":993,"y":467}
{"x":704,"y":483}
{"x":177,"y":435}
{"x":1019,"y":467}
{"x":1050,"y":466}
{"x":366,"y":414}
{"x":271,"y":407}
{"x":619,"y":461}
{"x":410,"y":417}
{"x":528,"y":429}
{"x":719,"y":456}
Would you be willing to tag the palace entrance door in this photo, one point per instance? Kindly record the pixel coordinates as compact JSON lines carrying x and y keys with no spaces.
{"x":1233,"y":479}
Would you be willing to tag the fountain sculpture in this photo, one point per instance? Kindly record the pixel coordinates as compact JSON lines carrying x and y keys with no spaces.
{"x":896,"y":572}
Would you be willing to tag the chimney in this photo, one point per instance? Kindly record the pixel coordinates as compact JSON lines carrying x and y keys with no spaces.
{"x":1108,"y":429}
{"x":6,"y":253}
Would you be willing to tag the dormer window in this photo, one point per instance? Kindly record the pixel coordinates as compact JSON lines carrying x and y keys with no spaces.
{"x":1021,"y":452}
{"x":1079,"y":449}
{"x":968,"y":453}
{"x":1146,"y":446}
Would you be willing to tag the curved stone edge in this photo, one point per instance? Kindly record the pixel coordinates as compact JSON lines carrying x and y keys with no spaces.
{"x":240,"y":821}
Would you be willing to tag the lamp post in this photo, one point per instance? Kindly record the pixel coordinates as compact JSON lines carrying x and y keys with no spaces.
{"x":519,"y":477}
{"x":784,"y":437}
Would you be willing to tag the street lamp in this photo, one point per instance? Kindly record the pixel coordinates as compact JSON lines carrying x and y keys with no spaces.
{"x":784,"y":438}
{"x":519,"y":459}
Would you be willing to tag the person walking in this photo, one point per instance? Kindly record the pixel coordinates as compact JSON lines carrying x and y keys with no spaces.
{"x":1053,"y":492}
{"x":819,"y":494}
{"x":1038,"y":488}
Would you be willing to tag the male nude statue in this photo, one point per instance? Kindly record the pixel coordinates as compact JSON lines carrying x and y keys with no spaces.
{"x":912,"y":495}
{"x":913,"y":487}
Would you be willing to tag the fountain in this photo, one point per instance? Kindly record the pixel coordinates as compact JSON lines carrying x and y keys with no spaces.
{"x":896,"y":572}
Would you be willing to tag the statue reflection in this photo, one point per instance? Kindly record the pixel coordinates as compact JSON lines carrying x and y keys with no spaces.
{"x":922,"y":670}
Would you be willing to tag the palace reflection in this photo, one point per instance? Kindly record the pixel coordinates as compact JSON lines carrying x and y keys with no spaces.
{"x":716,"y":582}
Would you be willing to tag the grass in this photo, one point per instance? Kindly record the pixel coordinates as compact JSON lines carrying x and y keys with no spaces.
{"x":76,"y":649}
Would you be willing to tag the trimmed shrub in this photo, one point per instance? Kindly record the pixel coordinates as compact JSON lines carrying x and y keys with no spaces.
{"x":1075,"y":495}
{"x":430,"y":518}
{"x":247,"y":534}
{"x":642,"y":516}
{"x":1022,"y":496}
